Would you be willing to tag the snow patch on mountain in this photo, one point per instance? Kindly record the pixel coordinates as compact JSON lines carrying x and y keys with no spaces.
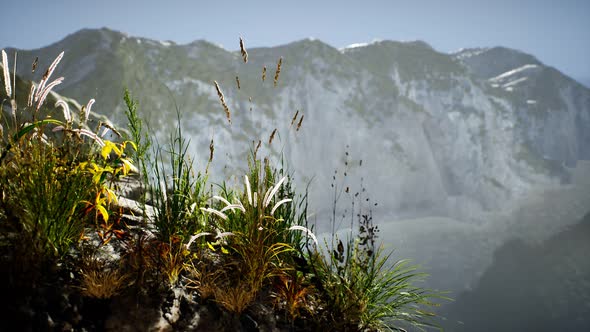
{"x":465,"y":53}
{"x":527,"y":67}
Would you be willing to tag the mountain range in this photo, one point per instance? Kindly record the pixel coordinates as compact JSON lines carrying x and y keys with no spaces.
{"x":444,"y":134}
{"x":457,"y":143}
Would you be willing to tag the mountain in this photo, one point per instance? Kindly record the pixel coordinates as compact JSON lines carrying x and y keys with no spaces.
{"x":545,"y":283}
{"x":443,"y":134}
{"x":460,"y":151}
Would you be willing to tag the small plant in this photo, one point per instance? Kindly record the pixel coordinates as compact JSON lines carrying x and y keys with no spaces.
{"x":236,"y":298}
{"x":100,"y":281}
{"x":171,"y":261}
{"x":204,"y":276}
{"x":174,"y":189}
{"x":362,"y":291}
{"x":294,"y":294}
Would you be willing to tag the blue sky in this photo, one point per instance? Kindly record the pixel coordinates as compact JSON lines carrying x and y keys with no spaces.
{"x":556,"y":32}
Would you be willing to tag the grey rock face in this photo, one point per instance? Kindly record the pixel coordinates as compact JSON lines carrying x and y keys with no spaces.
{"x":438,"y":134}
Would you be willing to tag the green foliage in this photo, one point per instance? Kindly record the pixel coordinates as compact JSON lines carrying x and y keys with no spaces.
{"x":43,"y":195}
{"x":175,"y":188}
{"x":52,"y":176}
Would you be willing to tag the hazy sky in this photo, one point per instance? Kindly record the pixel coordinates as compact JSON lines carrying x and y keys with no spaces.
{"x":556,"y":32}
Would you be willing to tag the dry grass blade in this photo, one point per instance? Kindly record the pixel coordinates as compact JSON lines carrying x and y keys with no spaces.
{"x":243,"y":51}
{"x":272,"y":136}
{"x":204,"y":279}
{"x":263,"y":73}
{"x":100,"y":282}
{"x":236,"y":298}
{"x":223,"y":103}
{"x":278,"y":71}
{"x":238,"y":82}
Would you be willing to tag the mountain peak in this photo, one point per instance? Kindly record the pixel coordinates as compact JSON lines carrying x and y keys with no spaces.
{"x":491,"y":62}
{"x":309,"y":42}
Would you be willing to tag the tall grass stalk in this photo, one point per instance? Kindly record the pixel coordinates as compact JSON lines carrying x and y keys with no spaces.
{"x":174,"y":188}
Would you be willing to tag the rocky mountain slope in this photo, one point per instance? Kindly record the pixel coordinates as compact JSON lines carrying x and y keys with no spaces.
{"x":450,"y":135}
{"x":545,"y":283}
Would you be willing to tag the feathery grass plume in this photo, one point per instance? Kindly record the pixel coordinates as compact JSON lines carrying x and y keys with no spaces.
{"x":88,"y":133}
{"x":238,"y":82}
{"x":300,"y":121}
{"x":248,"y":189}
{"x":294,"y":118}
{"x":34,"y":65}
{"x":272,"y":136}
{"x":107,"y":127}
{"x":14,"y":74}
{"x":232,"y":207}
{"x":228,"y":205}
{"x":196,"y":236}
{"x":7,"y":85}
{"x":278,"y":71}
{"x":215,"y":212}
{"x":272,"y":191}
{"x":46,"y":91}
{"x":82,"y":132}
{"x":243,"y":51}
{"x":306,"y":231}
{"x":31,"y":95}
{"x":66,"y":110}
{"x":223,"y":103}
{"x":85,"y":111}
{"x":13,"y":107}
{"x":263,"y":73}
{"x":41,"y":87}
{"x":279,"y":203}
{"x":219,"y":198}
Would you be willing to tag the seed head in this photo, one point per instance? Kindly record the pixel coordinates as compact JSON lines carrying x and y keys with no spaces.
{"x":300,"y":121}
{"x":6,"y":70}
{"x":34,"y":65}
{"x":272,"y":136}
{"x":278,"y":71}
{"x":223,"y":103}
{"x":243,"y":51}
